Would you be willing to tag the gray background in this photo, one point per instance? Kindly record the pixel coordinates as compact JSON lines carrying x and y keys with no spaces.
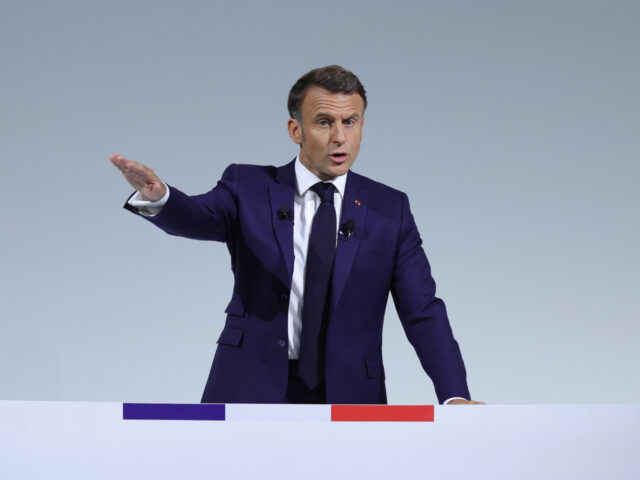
{"x":513,"y":127}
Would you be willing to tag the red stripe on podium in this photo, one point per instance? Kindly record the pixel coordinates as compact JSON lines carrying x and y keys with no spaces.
{"x":382,"y":413}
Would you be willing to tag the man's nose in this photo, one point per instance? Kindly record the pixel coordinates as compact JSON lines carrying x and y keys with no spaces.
{"x":338,"y":136}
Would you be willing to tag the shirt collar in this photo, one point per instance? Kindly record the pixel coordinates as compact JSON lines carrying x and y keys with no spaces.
{"x":305,"y":179}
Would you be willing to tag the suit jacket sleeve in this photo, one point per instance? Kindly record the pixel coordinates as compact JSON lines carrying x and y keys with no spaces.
{"x":209,"y":216}
{"x":423,"y":315}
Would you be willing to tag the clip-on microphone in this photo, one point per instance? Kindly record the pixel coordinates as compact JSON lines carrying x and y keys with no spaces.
{"x":284,"y":213}
{"x":346,"y":229}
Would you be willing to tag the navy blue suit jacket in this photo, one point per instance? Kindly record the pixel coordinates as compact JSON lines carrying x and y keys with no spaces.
{"x":382,"y":255}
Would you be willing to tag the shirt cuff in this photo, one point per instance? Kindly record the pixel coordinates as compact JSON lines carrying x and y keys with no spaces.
{"x":147,"y":208}
{"x":453,"y":398}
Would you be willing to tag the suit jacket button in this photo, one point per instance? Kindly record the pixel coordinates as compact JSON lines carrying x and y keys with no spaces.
{"x":284,"y":299}
{"x":282,"y":343}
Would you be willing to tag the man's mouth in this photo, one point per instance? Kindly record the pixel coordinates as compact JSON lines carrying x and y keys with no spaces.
{"x":338,"y":157}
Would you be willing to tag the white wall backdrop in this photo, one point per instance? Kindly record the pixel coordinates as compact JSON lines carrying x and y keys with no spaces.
{"x":512,"y":125}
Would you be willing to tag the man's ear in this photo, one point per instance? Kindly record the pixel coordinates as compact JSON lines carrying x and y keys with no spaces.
{"x":295,"y":130}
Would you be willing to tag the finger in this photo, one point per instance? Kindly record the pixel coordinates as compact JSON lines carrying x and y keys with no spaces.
{"x":123,"y":161}
{"x":131,"y":172}
{"x":119,"y":161}
{"x":130,"y":165}
{"x":138,"y":170}
{"x":134,"y":170}
{"x":137,"y":177}
{"x":114,"y":157}
{"x":142,"y":175}
{"x":464,"y":402}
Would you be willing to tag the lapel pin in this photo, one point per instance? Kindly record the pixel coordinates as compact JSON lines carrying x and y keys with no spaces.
{"x":357,"y":202}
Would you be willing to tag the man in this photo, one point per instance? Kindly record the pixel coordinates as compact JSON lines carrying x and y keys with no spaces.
{"x":315,"y":249}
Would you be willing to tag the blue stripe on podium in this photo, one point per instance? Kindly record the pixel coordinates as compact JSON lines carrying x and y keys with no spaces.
{"x":172,"y":411}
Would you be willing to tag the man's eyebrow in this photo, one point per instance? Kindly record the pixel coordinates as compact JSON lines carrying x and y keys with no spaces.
{"x":323,"y":115}
{"x":330,"y":116}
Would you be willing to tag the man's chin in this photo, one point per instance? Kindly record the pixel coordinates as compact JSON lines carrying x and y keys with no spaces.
{"x":338,"y":169}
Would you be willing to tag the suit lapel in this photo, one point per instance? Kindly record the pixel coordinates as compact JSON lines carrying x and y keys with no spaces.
{"x":281,"y":194}
{"x":354,"y":208}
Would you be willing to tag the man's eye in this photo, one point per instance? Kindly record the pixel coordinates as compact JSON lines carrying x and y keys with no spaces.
{"x":323,"y":123}
{"x":350,"y":122}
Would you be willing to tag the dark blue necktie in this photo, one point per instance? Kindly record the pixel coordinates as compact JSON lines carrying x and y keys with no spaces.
{"x":320,"y":255}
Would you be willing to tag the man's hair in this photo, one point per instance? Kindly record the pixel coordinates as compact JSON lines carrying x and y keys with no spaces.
{"x":333,"y":78}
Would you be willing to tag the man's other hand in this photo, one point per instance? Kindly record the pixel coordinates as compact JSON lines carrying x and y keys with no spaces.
{"x":140,"y":177}
{"x":462,"y":401}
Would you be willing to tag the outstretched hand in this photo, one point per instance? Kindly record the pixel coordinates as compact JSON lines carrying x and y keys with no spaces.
{"x":140,"y":177}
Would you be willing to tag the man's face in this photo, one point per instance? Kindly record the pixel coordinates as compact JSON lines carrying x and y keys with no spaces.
{"x":330,"y":133}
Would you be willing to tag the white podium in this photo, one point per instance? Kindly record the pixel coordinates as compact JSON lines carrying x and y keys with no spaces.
{"x":69,"y":440}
